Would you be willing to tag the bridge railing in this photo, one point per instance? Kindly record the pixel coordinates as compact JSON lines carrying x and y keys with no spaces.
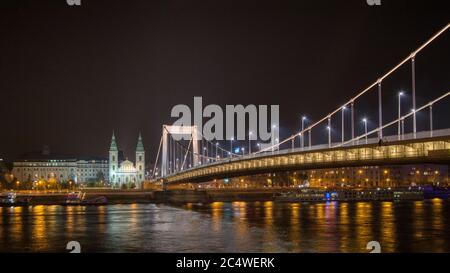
{"x":360,"y":143}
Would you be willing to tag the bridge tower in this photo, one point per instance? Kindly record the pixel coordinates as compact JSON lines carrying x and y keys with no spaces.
{"x":183,"y":132}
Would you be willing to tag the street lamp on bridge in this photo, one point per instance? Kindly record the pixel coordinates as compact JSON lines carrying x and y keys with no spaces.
{"x":302,"y":134}
{"x":400,"y":94}
{"x":249,"y":142}
{"x":231,"y":147}
{"x":342,"y":117}
{"x":364,"y":120}
{"x":329,"y":132}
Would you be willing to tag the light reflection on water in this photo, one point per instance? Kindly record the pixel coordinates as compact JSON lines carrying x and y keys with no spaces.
{"x":420,"y":226}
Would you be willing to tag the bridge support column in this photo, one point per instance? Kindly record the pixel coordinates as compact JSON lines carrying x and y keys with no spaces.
{"x":413,"y":76}
{"x":193,"y":134}
{"x":380,"y":112}
{"x":431,"y":120}
{"x":353,"y":121}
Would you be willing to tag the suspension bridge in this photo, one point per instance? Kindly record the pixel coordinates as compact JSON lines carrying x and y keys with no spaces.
{"x":196,"y":159}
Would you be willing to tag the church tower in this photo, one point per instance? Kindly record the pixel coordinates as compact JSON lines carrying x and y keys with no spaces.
{"x":113,"y":159}
{"x":140,"y":160}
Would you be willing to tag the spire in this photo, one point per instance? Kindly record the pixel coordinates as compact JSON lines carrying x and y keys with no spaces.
{"x":113,"y":146}
{"x":140,"y":146}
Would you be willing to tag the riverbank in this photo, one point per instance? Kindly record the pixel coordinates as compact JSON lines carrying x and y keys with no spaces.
{"x":145,"y":196}
{"x":213,"y":195}
{"x":113,"y":196}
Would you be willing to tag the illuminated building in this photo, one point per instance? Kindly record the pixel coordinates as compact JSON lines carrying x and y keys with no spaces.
{"x":125,"y":172}
{"x":44,"y":166}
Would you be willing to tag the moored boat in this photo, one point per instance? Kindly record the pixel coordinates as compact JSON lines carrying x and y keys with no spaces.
{"x":11,"y":200}
{"x":78,"y":199}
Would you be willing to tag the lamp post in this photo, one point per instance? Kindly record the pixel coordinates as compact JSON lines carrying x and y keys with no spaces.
{"x":352,"y":112}
{"x":249,"y":142}
{"x":217,"y":146}
{"x":403,"y":128}
{"x":413,"y":79}
{"x":400,"y":94}
{"x":231,"y":146}
{"x":273,"y":136}
{"x":342,"y":117}
{"x":431,"y":120}
{"x":309,"y":138}
{"x":380,"y":112}
{"x":365,"y":128}
{"x":329,"y":132}
{"x":302,"y":134}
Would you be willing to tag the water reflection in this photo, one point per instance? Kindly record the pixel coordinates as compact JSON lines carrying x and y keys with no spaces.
{"x":363,"y":225}
{"x":387,"y":225}
{"x":420,"y":226}
{"x":295,"y":231}
{"x":437,"y":223}
{"x":344,"y":227}
{"x":418,"y":220}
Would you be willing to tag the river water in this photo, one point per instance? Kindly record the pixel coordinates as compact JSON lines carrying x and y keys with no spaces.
{"x":416,"y":226}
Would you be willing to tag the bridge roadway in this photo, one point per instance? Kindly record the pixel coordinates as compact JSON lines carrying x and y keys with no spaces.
{"x":425,"y":148}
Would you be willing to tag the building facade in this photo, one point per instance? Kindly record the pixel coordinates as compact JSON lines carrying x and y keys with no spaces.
{"x":380,"y":176}
{"x":125,"y":172}
{"x":35,"y":167}
{"x":45,"y":166}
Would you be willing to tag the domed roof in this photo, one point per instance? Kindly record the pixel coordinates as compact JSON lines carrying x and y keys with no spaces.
{"x":127,"y":163}
{"x":127,"y":166}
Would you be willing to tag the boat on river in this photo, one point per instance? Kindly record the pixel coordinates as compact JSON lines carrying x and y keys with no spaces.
{"x":11,"y":200}
{"x":78,"y":199}
{"x":349,"y":195}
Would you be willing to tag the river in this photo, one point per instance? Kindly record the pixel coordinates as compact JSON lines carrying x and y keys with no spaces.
{"x":416,"y":226}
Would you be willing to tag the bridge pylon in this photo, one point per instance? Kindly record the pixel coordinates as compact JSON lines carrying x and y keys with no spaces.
{"x":183,"y":132}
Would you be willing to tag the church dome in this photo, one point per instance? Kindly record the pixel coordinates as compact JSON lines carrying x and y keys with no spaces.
{"x":127,"y":166}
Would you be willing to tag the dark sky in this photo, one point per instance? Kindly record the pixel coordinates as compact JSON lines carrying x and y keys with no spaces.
{"x":71,"y":75}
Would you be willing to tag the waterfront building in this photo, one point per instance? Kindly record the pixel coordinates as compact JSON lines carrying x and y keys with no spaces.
{"x":92,"y":169}
{"x":380,"y":176}
{"x":368,"y":177}
{"x":125,"y":172}
{"x":45,"y":166}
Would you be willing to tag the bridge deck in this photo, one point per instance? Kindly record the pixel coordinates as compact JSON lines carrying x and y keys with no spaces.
{"x":424,"y":150}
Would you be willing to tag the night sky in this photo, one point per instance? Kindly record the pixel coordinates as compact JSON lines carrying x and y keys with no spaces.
{"x":69,"y":76}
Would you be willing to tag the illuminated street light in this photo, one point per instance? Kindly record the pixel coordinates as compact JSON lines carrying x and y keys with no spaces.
{"x":217,"y":146}
{"x":249,"y":142}
{"x":342,"y":118}
{"x":365,"y":128}
{"x":329,"y":132}
{"x":231,"y":146}
{"x":400,"y":94}
{"x":301,"y":134}
{"x":273,"y":136}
